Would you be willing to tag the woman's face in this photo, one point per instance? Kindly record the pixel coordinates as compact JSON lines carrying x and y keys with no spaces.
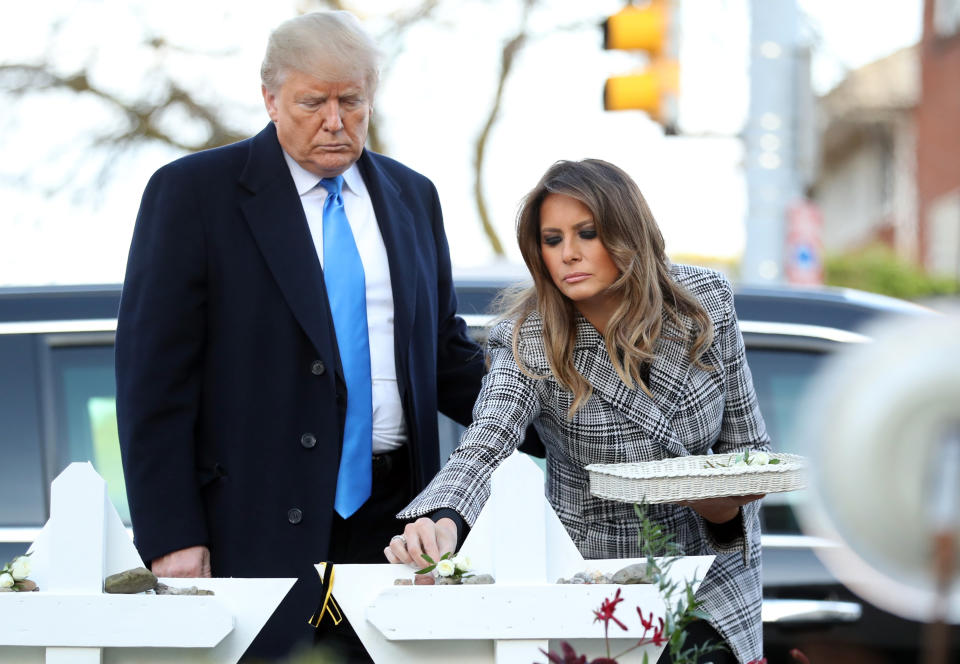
{"x":577,"y":261}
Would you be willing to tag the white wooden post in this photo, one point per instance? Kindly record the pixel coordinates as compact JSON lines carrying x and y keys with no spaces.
{"x":519,"y":545}
{"x":70,"y":620}
{"x":520,"y":539}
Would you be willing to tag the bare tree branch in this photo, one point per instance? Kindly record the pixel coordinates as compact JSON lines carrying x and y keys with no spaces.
{"x":508,"y":57}
{"x":143,"y":118}
{"x":161,"y":116}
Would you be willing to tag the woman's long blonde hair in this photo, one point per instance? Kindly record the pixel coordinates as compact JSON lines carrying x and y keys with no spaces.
{"x":647,"y":293}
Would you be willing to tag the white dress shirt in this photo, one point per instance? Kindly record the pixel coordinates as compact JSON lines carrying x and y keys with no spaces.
{"x":389,"y":430}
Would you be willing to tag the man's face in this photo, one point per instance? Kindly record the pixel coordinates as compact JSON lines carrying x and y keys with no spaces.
{"x":321,"y":124}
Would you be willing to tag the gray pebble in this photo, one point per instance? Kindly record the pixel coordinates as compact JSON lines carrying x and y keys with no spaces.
{"x":479,"y":580}
{"x":636,"y":573}
{"x":448,"y":581}
{"x":164,"y":589}
{"x":131,"y":581}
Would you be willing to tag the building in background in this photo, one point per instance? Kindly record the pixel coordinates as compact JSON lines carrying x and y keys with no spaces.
{"x":889,"y":167}
{"x":866,"y":182}
{"x":938,"y":138}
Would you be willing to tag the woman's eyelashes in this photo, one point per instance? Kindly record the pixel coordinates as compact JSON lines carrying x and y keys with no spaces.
{"x":584,"y":234}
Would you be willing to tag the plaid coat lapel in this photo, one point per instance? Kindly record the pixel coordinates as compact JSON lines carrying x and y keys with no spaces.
{"x":668,"y":375}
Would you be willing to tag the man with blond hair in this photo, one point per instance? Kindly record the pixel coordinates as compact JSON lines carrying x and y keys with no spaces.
{"x":286,"y":336}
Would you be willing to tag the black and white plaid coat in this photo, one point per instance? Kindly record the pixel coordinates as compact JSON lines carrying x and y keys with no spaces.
{"x":692,"y":411}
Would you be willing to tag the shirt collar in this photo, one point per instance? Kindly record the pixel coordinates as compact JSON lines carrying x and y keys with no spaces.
{"x":305,"y":181}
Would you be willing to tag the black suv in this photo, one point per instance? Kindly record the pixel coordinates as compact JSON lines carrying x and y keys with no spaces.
{"x":57,"y":405}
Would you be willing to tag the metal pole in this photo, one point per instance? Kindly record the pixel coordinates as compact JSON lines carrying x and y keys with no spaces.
{"x":772,"y":173}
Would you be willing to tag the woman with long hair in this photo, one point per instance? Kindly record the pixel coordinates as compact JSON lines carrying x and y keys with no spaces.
{"x":614,"y":355}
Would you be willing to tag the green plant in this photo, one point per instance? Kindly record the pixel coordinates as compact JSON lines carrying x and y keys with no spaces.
{"x":879,"y":270}
{"x":683,"y":607}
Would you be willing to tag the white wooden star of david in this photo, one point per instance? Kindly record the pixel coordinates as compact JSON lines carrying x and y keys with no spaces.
{"x":519,"y":539}
{"x":71,"y":620}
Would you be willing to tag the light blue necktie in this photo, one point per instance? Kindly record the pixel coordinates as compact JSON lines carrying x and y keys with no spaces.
{"x":346,"y":291}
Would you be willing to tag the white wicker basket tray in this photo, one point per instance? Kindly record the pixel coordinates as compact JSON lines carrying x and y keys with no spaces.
{"x":693,"y":478}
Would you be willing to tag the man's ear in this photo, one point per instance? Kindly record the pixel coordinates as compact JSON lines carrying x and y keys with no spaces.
{"x":270,"y":101}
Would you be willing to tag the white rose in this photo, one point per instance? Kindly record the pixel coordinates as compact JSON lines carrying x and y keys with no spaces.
{"x":446,"y":567}
{"x":462,"y":562}
{"x":20,"y":568}
{"x":6,"y":581}
{"x":759,"y":459}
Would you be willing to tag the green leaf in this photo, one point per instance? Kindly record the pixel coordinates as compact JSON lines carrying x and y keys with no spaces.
{"x":426,"y":570}
{"x":428,"y":558}
{"x":701,"y":614}
{"x":773,"y":462}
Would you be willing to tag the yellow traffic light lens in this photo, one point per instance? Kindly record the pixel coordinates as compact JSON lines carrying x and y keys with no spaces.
{"x":636,"y":92}
{"x":637,"y":28}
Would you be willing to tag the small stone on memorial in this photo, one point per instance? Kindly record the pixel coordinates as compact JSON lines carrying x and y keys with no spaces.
{"x":479,"y":580}
{"x":132,"y":581}
{"x":164,"y":589}
{"x":25,"y":586}
{"x":403,"y":582}
{"x":636,"y":573}
{"x":448,"y":581}
{"x":6,"y":590}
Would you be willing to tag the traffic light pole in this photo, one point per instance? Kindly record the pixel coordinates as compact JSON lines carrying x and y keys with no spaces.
{"x":773,"y":175}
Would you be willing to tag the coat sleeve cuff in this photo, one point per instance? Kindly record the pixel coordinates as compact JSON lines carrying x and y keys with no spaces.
{"x":462,"y":528}
{"x":726,"y":534}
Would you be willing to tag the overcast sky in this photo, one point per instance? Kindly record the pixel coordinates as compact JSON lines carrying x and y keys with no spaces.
{"x":59,"y":226}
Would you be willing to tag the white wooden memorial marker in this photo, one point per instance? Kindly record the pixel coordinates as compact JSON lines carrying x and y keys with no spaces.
{"x":519,"y":539}
{"x":70,"y":620}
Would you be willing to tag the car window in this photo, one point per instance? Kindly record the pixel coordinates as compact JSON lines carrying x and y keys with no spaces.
{"x":86,"y":429}
{"x":85,"y":415}
{"x":780,"y":377}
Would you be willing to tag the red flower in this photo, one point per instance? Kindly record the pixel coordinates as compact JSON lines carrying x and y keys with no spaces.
{"x":648,"y":623}
{"x":569,"y":655}
{"x":658,"y":638}
{"x":606,"y":611}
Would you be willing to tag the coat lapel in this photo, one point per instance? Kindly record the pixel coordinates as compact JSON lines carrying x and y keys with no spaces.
{"x":397,"y":229}
{"x":279,"y":227}
{"x":668,"y":375}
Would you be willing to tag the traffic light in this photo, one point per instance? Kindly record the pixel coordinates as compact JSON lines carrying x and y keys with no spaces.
{"x":637,"y":28}
{"x":647,"y":27}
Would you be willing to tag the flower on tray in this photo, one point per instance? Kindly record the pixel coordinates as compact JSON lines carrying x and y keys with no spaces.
{"x":13,"y":575}
{"x":745,"y":459}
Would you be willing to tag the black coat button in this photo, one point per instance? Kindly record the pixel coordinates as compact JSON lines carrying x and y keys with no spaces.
{"x":318,"y":368}
{"x":308,"y":440}
{"x":294,"y":515}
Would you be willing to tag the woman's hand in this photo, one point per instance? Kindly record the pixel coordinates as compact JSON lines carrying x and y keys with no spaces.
{"x":719,"y":510}
{"x":422,"y":536}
